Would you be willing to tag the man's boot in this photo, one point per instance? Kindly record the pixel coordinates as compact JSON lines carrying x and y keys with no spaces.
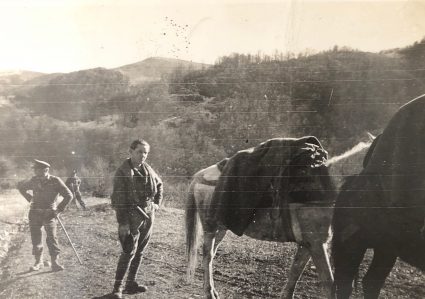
{"x":55,"y":264}
{"x":132,"y":287}
{"x":117,"y":291}
{"x":38,"y":263}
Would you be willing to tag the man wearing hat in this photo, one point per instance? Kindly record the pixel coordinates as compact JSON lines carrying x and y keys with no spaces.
{"x":73,"y":183}
{"x":43,"y":211}
{"x":136,"y":196}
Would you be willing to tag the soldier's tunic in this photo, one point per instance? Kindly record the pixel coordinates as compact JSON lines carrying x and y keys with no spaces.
{"x":134,"y":187}
{"x":45,"y":191}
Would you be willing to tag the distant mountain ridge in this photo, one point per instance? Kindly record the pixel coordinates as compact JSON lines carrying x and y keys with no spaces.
{"x":85,"y":94}
{"x":154,"y":68}
{"x":13,"y":78}
{"x":147,"y":70}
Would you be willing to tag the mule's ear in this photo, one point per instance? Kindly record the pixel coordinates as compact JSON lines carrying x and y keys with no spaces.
{"x":371,"y":136}
{"x":312,"y":155}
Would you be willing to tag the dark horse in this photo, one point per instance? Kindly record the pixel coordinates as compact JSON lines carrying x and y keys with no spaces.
{"x":383,"y":207}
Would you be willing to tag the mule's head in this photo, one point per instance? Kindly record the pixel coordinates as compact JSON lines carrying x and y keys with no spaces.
{"x":308,"y":180}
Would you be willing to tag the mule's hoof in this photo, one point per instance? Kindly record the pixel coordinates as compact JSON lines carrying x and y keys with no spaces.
{"x":213,"y":294}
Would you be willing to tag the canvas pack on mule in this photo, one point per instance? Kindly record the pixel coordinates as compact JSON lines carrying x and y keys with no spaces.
{"x":256,"y":178}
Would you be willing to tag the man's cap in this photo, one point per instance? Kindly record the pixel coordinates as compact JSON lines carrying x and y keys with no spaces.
{"x":40,"y":164}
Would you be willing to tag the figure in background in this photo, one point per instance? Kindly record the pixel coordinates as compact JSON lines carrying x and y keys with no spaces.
{"x":73,"y":183}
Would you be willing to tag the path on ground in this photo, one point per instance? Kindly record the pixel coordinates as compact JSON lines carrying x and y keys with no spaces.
{"x":244,"y":268}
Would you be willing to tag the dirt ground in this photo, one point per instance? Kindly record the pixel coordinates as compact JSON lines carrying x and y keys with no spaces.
{"x":244,"y":268}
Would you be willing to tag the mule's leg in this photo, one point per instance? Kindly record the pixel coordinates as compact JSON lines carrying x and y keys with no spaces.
{"x":218,"y":238}
{"x":302,"y":256}
{"x":320,"y":257}
{"x":382,"y":263}
{"x":207,"y":263}
{"x":347,"y":258}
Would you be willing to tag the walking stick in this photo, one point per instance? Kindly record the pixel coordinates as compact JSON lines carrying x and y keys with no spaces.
{"x":142,"y":212}
{"x":69,"y":239}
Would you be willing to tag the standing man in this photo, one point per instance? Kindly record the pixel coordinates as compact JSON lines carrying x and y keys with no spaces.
{"x":137,"y":194}
{"x":73,"y":183}
{"x":43,"y":211}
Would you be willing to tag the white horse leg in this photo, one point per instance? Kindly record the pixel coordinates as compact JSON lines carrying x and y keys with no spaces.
{"x":218,"y":238}
{"x":207,"y":264}
{"x":302,"y":256}
{"x":321,"y":260}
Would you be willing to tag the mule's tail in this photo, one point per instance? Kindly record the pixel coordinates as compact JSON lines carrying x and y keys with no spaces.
{"x":192,"y":234}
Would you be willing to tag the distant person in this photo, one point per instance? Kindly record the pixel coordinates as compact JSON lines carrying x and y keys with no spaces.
{"x":73,"y":183}
{"x":136,"y":195}
{"x":43,"y":211}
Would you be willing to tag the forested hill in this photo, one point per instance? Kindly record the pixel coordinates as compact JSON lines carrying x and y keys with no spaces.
{"x":157,"y":68}
{"x":194,"y":117}
{"x":89,"y":94}
{"x":14,"y":78}
{"x":74,"y":96}
{"x":336,"y":95}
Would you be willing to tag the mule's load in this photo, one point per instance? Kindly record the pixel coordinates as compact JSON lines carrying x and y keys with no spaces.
{"x":271,"y":175}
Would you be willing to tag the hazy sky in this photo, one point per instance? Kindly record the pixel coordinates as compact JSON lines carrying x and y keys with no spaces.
{"x":64,"y":36}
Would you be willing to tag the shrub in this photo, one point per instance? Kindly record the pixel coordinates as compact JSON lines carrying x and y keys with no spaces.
{"x":6,"y":176}
{"x":97,"y":178}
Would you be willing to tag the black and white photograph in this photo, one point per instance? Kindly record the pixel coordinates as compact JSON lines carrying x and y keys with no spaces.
{"x":212,"y":149}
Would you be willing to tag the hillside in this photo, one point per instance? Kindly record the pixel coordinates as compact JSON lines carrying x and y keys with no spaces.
{"x":336,"y":95}
{"x":156,"y":68}
{"x":12,"y":79}
{"x":73,"y":96}
{"x":195,"y":118}
{"x":87,"y":95}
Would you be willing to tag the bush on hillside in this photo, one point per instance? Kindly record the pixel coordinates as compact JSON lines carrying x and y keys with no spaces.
{"x":97,"y":178}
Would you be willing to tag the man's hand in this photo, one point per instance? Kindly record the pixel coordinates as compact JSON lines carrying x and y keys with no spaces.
{"x":55,"y":213}
{"x":155,"y":207}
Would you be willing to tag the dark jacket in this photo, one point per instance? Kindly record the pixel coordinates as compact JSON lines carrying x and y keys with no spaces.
{"x":125,"y":195}
{"x":45,"y":192}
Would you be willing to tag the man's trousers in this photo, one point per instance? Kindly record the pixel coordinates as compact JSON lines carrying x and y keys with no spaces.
{"x":134,"y":232}
{"x":37,"y":219}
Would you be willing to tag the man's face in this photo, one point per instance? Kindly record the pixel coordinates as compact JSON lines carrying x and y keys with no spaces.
{"x":139,"y":154}
{"x":41,"y":172}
